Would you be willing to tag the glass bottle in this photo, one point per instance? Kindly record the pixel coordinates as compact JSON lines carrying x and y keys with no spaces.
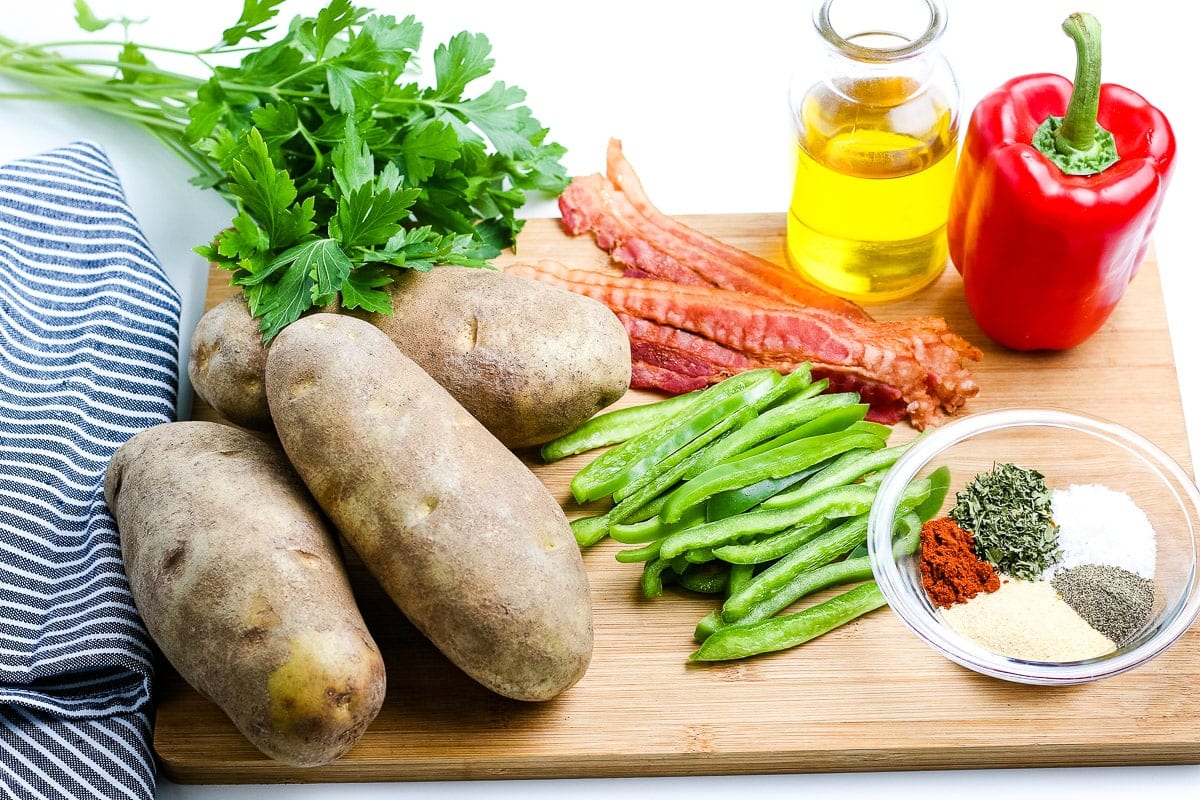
{"x":876,"y":118}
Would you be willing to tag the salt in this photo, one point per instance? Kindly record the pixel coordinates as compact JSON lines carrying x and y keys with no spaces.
{"x":1098,"y":525}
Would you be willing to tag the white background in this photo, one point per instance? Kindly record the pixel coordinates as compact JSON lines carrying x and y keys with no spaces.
{"x":697,"y":92}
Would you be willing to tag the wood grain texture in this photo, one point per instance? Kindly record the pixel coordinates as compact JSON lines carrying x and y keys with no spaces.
{"x":868,"y":696}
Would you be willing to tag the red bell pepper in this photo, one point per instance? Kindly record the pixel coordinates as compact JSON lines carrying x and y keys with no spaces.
{"x":1057,"y":192}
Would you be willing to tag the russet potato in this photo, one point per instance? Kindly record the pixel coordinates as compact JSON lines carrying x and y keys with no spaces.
{"x":226,"y":360}
{"x":528,"y":360}
{"x":241,"y":585}
{"x":456,"y":529}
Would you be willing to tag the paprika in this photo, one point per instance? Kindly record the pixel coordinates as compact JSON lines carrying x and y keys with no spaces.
{"x":1055,"y":197}
{"x":950,"y":571}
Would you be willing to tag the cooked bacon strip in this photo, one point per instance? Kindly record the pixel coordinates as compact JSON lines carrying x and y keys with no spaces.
{"x":645,"y":375}
{"x":676,"y":361}
{"x":590,"y":203}
{"x":681,"y":353}
{"x":920,"y":359}
{"x":677,"y":253}
{"x":887,"y":404}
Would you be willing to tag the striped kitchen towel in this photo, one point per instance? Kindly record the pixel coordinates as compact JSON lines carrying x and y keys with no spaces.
{"x":89,"y":329}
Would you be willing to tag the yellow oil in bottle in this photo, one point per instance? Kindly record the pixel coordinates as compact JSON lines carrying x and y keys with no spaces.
{"x":874,"y":172}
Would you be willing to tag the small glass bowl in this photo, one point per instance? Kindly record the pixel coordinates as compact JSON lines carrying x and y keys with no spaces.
{"x":1067,"y":448}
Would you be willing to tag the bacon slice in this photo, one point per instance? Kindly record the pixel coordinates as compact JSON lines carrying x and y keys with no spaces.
{"x":677,"y":361}
{"x":918,"y":365}
{"x":640,"y":237}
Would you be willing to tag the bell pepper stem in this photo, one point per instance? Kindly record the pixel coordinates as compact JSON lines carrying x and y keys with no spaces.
{"x":1078,"y":129}
{"x":1076,"y":142}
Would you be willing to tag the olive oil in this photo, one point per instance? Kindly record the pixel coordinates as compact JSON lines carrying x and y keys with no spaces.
{"x":875,"y":167}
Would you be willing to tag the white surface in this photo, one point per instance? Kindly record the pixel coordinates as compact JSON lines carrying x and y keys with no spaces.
{"x":697,"y":92}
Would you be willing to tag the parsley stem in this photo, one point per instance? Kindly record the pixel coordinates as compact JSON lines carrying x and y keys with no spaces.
{"x":43,"y":47}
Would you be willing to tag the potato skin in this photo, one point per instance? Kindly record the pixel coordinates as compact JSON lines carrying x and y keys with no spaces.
{"x":226,"y":361}
{"x":241,"y":585}
{"x":528,"y":360}
{"x":461,"y":535}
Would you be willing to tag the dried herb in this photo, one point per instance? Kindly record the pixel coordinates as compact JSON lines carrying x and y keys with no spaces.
{"x":1008,"y":510}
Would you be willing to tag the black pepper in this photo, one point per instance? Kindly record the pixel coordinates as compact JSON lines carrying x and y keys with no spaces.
{"x":1113,"y":600}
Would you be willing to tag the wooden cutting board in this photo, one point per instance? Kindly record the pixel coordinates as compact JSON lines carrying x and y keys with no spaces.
{"x":868,"y":696}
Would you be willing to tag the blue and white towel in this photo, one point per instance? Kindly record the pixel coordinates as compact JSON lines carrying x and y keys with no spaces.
{"x":89,"y":331}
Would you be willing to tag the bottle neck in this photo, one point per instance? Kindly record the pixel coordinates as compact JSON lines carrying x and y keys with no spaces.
{"x":880,"y":31}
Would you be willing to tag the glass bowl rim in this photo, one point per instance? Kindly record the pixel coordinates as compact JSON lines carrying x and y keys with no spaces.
{"x":912,"y":612}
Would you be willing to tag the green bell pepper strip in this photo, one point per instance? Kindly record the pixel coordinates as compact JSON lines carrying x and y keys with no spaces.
{"x":647,"y":498}
{"x":735,"y":501}
{"x":855,"y":568}
{"x":613,"y":427}
{"x":589,"y":530}
{"x":781,"y":633}
{"x":844,"y":501}
{"x":798,"y":381}
{"x":655,"y":573}
{"x":625,"y":462}
{"x":776,"y":463}
{"x":876,"y":428}
{"x":739,"y":576}
{"x":633,"y":555}
{"x":844,"y":469}
{"x":838,"y":418}
{"x":812,"y":554}
{"x":770,"y":423}
{"x":816,"y":552}
{"x":939,"y":486}
{"x":771,"y":547}
{"x":628,"y":511}
{"x":708,"y":625}
{"x":837,"y":573}
{"x":641,"y":532}
{"x":709,"y":578}
{"x":653,"y":483}
{"x":653,"y":472}
{"x":649,"y":533}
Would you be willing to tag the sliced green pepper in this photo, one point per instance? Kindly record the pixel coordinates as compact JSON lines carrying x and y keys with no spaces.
{"x":844,"y":469}
{"x":796,"y":382}
{"x":589,"y":530}
{"x":812,"y":554}
{"x":739,"y":576}
{"x":939,"y":485}
{"x":855,"y":568}
{"x":782,"y":418}
{"x":649,"y":487}
{"x":838,"y":418}
{"x":613,"y":427}
{"x":735,"y":501}
{"x":776,"y":463}
{"x":708,"y":578}
{"x":647,"y":552}
{"x":781,"y":633}
{"x":655,"y":573}
{"x":624,"y":463}
{"x":771,"y":547}
{"x":844,"y":501}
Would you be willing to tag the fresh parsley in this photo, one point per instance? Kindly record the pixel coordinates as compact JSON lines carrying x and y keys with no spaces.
{"x":341,"y":167}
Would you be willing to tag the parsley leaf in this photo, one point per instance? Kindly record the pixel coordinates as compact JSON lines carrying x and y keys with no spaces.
{"x":253,"y":22}
{"x":342,"y":168}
